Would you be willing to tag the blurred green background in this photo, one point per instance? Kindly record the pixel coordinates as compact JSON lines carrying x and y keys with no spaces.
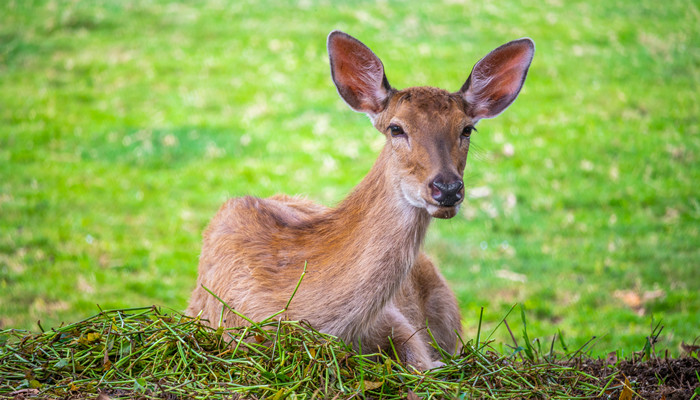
{"x":125,"y":124}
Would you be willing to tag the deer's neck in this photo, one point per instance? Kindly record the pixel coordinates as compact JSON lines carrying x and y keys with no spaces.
{"x":382,"y":221}
{"x":379,"y":235}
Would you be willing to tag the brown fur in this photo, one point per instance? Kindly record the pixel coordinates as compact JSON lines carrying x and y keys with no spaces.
{"x":367,"y":280}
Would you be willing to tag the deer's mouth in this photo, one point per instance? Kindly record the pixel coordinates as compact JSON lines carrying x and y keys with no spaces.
{"x":442,"y":212}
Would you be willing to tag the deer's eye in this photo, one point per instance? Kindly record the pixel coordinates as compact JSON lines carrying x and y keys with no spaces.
{"x":467,"y":131}
{"x":396,"y":130}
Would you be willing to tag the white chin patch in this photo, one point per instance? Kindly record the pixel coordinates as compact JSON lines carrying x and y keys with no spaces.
{"x":442,"y":212}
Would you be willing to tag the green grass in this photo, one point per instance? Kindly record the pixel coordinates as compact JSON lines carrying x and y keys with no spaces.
{"x":124,"y":125}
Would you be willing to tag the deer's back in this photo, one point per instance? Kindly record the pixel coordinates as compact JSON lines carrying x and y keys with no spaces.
{"x":251,"y":256}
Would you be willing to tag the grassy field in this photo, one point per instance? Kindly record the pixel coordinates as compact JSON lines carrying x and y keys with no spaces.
{"x":125,"y":124}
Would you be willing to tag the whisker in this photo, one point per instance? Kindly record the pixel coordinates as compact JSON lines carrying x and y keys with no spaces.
{"x":478,"y":152}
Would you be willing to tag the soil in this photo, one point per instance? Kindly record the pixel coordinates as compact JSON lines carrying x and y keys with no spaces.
{"x":668,"y":379}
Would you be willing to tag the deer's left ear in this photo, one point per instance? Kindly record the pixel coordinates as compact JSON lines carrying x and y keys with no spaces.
{"x":358,"y":74}
{"x":496,"y":79}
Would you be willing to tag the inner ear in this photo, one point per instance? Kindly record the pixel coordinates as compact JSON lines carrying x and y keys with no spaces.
{"x":496,"y":80}
{"x":358,"y":74}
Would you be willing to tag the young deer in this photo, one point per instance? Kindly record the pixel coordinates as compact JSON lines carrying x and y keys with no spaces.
{"x":367,"y":280}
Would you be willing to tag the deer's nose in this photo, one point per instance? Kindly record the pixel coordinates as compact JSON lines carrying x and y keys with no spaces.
{"x":447,"y":194}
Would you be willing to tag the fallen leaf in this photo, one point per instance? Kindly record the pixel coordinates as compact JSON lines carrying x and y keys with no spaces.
{"x":27,"y":392}
{"x":371,"y":385}
{"x":93,"y":336}
{"x":636,"y":301}
{"x":612,"y":358}
{"x":412,"y":396}
{"x":103,"y":396}
{"x":653,"y":295}
{"x":629,"y":297}
{"x":282,"y":393}
{"x":689,"y":348}
{"x":511,"y":276}
{"x":627,"y":393}
{"x":480,"y":192}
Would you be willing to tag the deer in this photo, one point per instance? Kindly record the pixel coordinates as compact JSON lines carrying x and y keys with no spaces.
{"x":366,"y":278}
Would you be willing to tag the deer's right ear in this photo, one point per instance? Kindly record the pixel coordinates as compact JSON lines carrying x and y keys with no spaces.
{"x":358,"y":74}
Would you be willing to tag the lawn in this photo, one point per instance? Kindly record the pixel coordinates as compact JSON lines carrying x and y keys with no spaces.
{"x":125,"y":124}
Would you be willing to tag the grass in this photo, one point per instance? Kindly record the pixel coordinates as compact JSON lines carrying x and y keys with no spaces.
{"x":124,"y":125}
{"x":145,"y":352}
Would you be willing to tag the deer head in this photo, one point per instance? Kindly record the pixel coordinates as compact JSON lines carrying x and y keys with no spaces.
{"x":428,"y":129}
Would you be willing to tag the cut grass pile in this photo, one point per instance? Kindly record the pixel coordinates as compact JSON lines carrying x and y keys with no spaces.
{"x":144,"y":352}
